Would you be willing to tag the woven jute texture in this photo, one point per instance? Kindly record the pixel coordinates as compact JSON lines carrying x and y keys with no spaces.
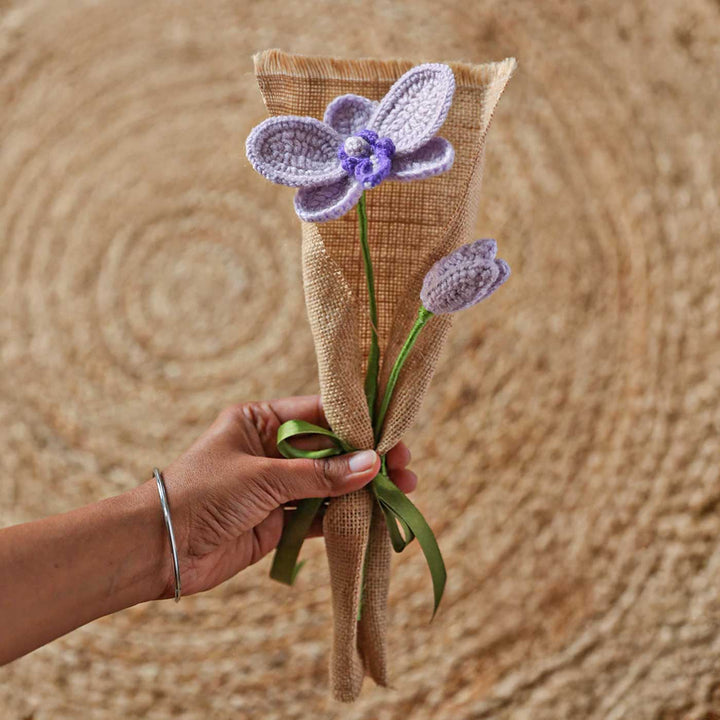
{"x":411,"y":225}
{"x":567,"y":447}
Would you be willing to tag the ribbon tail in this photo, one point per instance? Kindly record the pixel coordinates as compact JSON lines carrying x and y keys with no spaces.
{"x":398,"y":509}
{"x":399,"y":537}
{"x":285,"y":566}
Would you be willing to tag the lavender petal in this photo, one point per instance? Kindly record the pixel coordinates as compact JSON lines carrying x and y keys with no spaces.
{"x":434,"y":157}
{"x":349,"y":113}
{"x":415,"y":107}
{"x":327,"y":202}
{"x":296,"y":151}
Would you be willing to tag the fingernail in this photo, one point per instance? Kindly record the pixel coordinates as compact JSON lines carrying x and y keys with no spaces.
{"x":362,"y":461}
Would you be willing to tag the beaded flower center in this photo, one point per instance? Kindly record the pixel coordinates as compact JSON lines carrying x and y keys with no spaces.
{"x":367,"y":157}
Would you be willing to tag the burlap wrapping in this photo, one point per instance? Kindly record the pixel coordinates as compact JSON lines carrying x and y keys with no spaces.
{"x":411,"y":225}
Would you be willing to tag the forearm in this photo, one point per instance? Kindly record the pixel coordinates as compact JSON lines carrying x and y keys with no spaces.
{"x":59,"y":573}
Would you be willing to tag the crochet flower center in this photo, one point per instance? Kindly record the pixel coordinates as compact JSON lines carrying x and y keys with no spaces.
{"x":367,"y":156}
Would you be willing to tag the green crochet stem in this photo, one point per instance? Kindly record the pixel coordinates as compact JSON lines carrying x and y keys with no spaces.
{"x":423,"y":316}
{"x":373,"y":365}
{"x":373,"y":362}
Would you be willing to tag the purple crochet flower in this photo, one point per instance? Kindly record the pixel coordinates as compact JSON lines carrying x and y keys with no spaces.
{"x":464,"y":277}
{"x":359,"y":144}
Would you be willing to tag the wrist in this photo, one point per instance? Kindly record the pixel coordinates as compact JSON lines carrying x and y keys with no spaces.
{"x":153,"y":575}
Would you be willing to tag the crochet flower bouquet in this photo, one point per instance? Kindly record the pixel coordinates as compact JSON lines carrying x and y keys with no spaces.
{"x":387,"y":158}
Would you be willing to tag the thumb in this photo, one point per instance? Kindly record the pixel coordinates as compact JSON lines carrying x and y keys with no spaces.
{"x":326,"y":477}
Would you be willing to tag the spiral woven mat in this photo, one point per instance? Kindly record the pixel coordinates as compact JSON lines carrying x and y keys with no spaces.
{"x":568,"y":449}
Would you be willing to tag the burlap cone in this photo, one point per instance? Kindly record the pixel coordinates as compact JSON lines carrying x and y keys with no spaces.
{"x":411,"y":225}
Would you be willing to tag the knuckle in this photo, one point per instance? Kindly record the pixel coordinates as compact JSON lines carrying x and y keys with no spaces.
{"x":230,"y":415}
{"x":323,"y":473}
{"x":258,"y":420}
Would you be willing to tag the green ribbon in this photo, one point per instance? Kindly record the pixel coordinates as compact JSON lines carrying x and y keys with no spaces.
{"x":404,"y":521}
{"x":296,"y":428}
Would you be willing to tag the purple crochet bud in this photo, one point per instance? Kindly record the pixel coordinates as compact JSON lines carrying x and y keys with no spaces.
{"x":463,"y":278}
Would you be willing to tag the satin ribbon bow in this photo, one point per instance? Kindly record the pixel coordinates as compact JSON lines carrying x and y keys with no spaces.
{"x":404,"y":521}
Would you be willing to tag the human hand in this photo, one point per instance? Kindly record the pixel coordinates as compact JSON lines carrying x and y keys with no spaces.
{"x":227,"y":492}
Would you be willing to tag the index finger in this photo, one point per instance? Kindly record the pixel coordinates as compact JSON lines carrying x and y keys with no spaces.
{"x":302,"y":407}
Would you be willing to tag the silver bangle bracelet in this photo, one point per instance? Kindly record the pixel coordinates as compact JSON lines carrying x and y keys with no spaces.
{"x":168,"y":523}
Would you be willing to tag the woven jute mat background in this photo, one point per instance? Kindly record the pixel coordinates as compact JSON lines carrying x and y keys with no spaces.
{"x":568,"y":448}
